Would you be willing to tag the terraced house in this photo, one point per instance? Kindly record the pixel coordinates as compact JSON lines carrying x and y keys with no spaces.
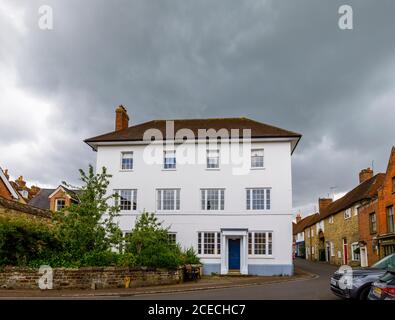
{"x":237,"y":215}
{"x":333,"y":234}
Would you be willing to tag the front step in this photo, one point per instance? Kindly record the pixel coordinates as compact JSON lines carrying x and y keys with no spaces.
{"x":234,"y":273}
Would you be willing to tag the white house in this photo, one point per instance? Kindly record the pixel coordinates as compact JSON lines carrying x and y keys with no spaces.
{"x":234,"y":208}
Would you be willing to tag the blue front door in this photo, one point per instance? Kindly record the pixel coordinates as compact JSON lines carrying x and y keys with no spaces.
{"x":234,"y":254}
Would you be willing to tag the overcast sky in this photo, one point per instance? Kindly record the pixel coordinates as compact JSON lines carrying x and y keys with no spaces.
{"x":286,"y":63}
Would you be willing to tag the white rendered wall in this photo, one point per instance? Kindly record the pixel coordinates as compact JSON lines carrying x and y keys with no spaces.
{"x":191,"y":178}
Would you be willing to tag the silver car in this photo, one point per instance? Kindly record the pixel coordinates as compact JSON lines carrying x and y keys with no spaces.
{"x":355,"y":283}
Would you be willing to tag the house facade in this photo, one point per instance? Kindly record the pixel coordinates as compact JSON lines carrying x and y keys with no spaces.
{"x":54,"y":199}
{"x":237,"y":215}
{"x":385,"y":210}
{"x":333,"y":234}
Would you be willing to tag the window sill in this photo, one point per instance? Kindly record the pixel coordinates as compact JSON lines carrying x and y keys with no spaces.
{"x":171,"y":169}
{"x":126,"y":170}
{"x":260,"y":256}
{"x":258,"y":168}
{"x":213,"y":169}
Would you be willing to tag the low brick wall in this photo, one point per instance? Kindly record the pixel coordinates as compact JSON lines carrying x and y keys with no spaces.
{"x":89,"y":278}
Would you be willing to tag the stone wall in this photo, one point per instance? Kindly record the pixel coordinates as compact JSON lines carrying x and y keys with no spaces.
{"x":15,"y":209}
{"x":89,"y":278}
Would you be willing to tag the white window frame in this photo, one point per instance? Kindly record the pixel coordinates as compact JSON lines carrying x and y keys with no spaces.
{"x":133,"y":199}
{"x":347,"y":214}
{"x":332,"y":248}
{"x":266,"y":198}
{"x":208,"y":156}
{"x":160,"y":199}
{"x":220,"y":197}
{"x":122,"y":157}
{"x":172,"y":235}
{"x":353,"y":257}
{"x":268,"y":245}
{"x":57,"y":204}
{"x":331,"y":219}
{"x":257,"y":150}
{"x":201,"y":243}
{"x":165,"y":153}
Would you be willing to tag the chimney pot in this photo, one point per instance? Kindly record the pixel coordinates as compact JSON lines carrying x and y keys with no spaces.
{"x":20,"y":182}
{"x":121,"y":118}
{"x":6,"y":174}
{"x":298,"y":218}
{"x":365,"y":174}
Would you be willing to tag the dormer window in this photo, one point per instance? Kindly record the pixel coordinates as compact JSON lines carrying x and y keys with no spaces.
{"x":257,"y":158}
{"x":127,"y":160}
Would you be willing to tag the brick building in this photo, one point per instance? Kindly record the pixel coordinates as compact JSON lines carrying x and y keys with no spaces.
{"x":385,"y":210}
{"x":333,"y":235}
{"x":7,"y":191}
{"x":55,"y":199}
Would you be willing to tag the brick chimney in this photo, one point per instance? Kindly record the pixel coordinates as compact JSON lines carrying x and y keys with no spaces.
{"x":298,"y":218}
{"x":324,"y":203}
{"x":33,"y":191}
{"x":121,"y":118}
{"x":365,"y":174}
{"x":20,"y":182}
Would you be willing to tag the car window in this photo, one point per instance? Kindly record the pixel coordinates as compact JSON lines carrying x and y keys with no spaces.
{"x":385,"y":263}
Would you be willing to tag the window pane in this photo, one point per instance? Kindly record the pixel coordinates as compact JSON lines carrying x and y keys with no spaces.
{"x":390,"y":219}
{"x":257,"y":158}
{"x":248,"y":199}
{"x":270,"y":244}
{"x":212,"y":199}
{"x":259,"y":243}
{"x":267,"y":199}
{"x":199,"y":242}
{"x":127,"y":160}
{"x":203,"y":192}
{"x":258,"y":199}
{"x":218,"y":243}
{"x":159,"y":200}
{"x":169,"y":159}
{"x":209,"y":243}
{"x":212,"y":158}
{"x":168,"y":200}
{"x":249,"y":243}
{"x":178,"y":199}
{"x":222,"y":199}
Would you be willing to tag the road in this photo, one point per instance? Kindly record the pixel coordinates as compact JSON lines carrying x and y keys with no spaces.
{"x":305,"y":289}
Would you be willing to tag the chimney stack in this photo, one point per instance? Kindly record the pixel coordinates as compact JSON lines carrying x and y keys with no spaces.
{"x":298,"y":218}
{"x":365,"y":174}
{"x":324,"y":203}
{"x":20,"y":182}
{"x":121,"y":118}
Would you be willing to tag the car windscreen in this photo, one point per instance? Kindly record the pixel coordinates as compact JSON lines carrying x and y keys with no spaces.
{"x":385,"y":263}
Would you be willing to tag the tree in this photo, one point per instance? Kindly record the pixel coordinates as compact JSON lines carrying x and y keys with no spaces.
{"x":149,"y":243}
{"x":88,"y":227}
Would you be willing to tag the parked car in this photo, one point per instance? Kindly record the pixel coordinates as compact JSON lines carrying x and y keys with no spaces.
{"x":355,"y":283}
{"x":384,"y":288}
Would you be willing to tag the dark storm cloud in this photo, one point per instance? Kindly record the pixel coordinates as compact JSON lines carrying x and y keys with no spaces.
{"x":281,"y":62}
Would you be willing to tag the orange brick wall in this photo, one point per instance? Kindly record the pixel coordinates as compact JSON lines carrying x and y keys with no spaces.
{"x":59,"y":195}
{"x":4,"y":192}
{"x":386,"y":196}
{"x":364,"y":230}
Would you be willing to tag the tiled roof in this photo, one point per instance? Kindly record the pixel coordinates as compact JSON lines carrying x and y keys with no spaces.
{"x":41,"y":199}
{"x":135,"y":133}
{"x":21,"y":207}
{"x":304,"y":223}
{"x":364,"y":191}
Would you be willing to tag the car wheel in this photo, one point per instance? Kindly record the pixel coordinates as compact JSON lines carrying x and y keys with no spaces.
{"x":363,"y":295}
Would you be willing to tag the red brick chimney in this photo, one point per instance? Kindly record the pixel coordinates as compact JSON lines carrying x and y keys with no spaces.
{"x":121,"y":118}
{"x":298,"y":218}
{"x":323,"y":203}
{"x":365,"y":174}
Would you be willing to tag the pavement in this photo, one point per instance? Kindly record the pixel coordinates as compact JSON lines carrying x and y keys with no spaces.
{"x":311,"y":281}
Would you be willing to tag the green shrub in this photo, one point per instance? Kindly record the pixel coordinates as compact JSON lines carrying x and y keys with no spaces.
{"x":190,"y":257}
{"x":23,"y":240}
